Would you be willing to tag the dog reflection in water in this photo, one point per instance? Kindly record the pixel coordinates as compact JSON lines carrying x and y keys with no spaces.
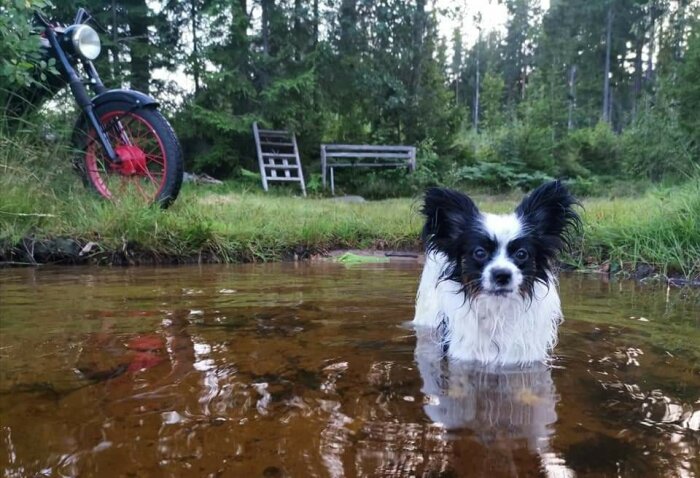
{"x":503,"y":416}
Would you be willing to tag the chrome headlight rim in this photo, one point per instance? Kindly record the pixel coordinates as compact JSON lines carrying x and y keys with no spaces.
{"x":86,"y":42}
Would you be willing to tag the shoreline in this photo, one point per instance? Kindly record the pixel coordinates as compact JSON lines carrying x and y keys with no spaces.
{"x":66,"y":251}
{"x":653,"y":235}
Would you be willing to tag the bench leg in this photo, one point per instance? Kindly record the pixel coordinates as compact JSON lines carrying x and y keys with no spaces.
{"x":323,"y":166}
{"x":332,"y":184}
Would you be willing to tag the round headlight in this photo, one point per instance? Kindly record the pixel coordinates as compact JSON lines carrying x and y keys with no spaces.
{"x":86,"y":42}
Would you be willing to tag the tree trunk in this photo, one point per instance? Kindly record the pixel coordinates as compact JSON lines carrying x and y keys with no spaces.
{"x":652,"y":37}
{"x":266,"y":5}
{"x":348,"y":26}
{"x":606,"y":77}
{"x":522,"y":73}
{"x":419,"y":25}
{"x":679,"y":30}
{"x":476,"y":89}
{"x":638,"y":74}
{"x":610,"y":108}
{"x":572,"y":97}
{"x":263,"y":71}
{"x":195,"y":47}
{"x":115,"y":71}
{"x":298,"y":36}
{"x":317,"y":20}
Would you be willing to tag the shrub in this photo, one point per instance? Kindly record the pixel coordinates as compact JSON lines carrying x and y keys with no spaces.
{"x":497,"y":177}
{"x":463,"y":150}
{"x":655,"y":147}
{"x":593,"y":149}
{"x":527,"y":147}
{"x":512,"y":156}
{"x":19,"y":47}
{"x":687,"y":88}
{"x":429,"y":167}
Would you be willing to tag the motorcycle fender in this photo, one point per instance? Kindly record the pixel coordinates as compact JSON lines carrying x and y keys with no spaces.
{"x":136,"y":98}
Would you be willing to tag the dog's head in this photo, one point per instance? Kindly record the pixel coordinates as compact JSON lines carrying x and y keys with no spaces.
{"x":500,"y":255}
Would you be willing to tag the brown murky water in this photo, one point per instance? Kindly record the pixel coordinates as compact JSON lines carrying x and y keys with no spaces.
{"x":308,"y":370}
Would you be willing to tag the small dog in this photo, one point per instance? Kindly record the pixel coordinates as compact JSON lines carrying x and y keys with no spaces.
{"x":488,"y":286}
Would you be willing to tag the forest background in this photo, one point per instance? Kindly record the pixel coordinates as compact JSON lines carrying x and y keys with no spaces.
{"x":603,"y":93}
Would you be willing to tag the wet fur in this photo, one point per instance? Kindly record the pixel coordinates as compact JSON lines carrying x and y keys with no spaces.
{"x":478,"y":320}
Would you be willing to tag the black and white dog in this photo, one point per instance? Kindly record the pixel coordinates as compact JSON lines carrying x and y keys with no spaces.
{"x":488,"y":285}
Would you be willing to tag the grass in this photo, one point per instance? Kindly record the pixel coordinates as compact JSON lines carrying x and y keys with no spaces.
{"x":233,"y":223}
{"x":662,"y":228}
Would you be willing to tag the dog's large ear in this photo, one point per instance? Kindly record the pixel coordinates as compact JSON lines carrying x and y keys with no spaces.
{"x":448,"y":214}
{"x":549,"y":213}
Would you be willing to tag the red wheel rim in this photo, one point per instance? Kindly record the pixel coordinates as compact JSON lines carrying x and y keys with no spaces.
{"x":143,"y":167}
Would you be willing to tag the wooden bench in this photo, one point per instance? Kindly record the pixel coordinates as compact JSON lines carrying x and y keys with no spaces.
{"x":364,"y":156}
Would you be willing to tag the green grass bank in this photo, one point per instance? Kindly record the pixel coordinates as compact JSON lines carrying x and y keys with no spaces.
{"x":47,"y":216}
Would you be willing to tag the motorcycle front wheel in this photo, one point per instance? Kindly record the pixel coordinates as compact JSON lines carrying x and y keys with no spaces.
{"x":151,"y":164}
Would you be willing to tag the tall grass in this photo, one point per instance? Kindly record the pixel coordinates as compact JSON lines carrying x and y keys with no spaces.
{"x":661,"y":228}
{"x":40,"y":197}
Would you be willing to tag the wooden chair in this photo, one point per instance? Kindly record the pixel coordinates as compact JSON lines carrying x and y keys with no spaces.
{"x":278,"y":156}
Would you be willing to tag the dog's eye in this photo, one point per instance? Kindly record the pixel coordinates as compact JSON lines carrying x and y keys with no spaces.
{"x":480,"y":254}
{"x":521,"y":255}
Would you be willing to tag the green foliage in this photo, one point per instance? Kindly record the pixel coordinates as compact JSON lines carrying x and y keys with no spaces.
{"x":592,"y":149}
{"x":376,"y":72}
{"x":314,"y":185}
{"x":429,"y":168}
{"x":688,"y":88}
{"x":492,"y":98}
{"x":513,"y":156}
{"x":656,"y":148}
{"x":20,"y":59}
{"x":498,"y":177}
{"x":526,"y":146}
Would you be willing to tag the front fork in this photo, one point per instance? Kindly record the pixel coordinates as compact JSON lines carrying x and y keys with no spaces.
{"x":82,"y":98}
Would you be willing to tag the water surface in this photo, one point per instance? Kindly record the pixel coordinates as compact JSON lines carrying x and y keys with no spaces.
{"x":308,"y":370}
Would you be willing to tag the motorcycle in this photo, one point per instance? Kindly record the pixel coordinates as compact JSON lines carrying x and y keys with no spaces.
{"x":123,"y":142}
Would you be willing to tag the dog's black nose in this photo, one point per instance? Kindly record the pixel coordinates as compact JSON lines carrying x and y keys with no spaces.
{"x":501,"y":276}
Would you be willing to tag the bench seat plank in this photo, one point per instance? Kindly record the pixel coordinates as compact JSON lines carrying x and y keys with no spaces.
{"x":366,"y":165}
{"x":365,"y":147}
{"x":377,"y":155}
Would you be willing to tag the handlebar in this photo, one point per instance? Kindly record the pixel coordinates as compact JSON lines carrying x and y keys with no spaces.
{"x":39,"y":17}
{"x":82,"y":16}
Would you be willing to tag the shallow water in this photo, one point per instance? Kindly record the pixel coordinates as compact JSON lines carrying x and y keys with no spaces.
{"x":311,"y":370}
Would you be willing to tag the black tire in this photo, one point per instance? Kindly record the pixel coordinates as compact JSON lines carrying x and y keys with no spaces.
{"x":158,"y":167}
